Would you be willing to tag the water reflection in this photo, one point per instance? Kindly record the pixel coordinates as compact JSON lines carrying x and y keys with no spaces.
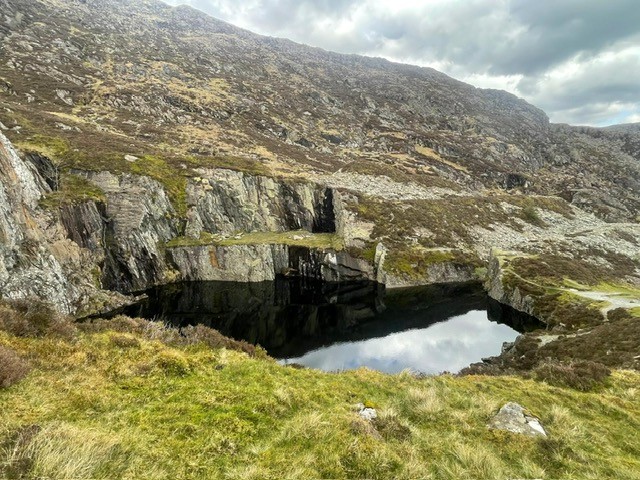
{"x":341,"y":326}
{"x":447,"y":346}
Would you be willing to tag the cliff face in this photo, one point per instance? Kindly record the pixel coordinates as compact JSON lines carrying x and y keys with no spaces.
{"x":263,"y":262}
{"x":137,"y":223}
{"x":224,"y":201}
{"x":77,"y":255}
{"x":37,"y":257}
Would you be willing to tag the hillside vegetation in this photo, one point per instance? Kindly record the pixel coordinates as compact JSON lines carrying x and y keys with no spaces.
{"x":132,"y":399}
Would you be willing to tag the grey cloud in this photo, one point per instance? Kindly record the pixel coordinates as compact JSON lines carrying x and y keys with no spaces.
{"x":557,"y":31}
{"x":594,"y":92}
{"x":292,"y":15}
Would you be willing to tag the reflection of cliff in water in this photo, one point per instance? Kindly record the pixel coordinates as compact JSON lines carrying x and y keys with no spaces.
{"x":291,"y":316}
{"x":520,"y":321}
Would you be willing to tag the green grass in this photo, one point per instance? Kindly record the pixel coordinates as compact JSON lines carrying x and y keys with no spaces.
{"x":366,"y":252}
{"x":119,"y":405}
{"x":293,"y":238}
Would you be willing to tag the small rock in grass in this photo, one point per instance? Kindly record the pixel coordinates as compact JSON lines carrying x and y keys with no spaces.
{"x":512,"y":418}
{"x":130,"y":158}
{"x":367,"y":413}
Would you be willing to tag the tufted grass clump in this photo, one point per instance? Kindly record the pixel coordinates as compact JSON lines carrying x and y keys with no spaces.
{"x":130,"y":329}
{"x":12,"y":367}
{"x":60,"y":450}
{"x":581,"y":375}
{"x":34,"y":318}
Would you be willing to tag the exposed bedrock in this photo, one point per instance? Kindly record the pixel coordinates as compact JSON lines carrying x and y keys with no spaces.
{"x":256,"y":263}
{"x":225,"y":201}
{"x":139,"y":219}
{"x":38,"y":257}
{"x":503,"y":294}
{"x":441,"y":272}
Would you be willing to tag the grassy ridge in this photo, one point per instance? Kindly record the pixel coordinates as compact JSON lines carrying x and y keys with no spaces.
{"x":136,"y":404}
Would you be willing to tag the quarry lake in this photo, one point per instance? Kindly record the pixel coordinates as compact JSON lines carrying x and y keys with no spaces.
{"x":342,"y":326}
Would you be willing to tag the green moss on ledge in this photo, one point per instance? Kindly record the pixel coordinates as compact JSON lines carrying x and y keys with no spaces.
{"x":366,"y":252}
{"x":414,"y":262}
{"x":298,"y":238}
{"x":73,"y":190}
{"x":73,"y":150}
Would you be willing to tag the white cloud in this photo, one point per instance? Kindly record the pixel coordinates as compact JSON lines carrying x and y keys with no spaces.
{"x":446,"y":346}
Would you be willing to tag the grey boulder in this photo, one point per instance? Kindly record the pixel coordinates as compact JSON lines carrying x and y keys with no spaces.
{"x":513,"y":418}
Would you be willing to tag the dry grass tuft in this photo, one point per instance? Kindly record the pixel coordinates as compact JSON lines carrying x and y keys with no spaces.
{"x":155,"y":330}
{"x":391,"y":426}
{"x":125,"y":341}
{"x":62,"y":451}
{"x":425,"y":401}
{"x":12,"y":367}
{"x":34,"y":318}
{"x":581,"y":375}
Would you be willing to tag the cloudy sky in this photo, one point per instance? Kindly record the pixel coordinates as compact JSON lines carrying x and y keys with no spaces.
{"x":579,"y":60}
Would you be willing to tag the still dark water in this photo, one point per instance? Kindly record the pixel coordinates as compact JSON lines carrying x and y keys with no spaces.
{"x":342,"y":326}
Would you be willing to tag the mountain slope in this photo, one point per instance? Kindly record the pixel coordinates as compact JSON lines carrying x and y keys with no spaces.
{"x":140,"y":78}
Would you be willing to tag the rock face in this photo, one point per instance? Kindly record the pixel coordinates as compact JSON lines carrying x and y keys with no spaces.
{"x":139,"y":220}
{"x":27,"y":267}
{"x":55,"y":255}
{"x":249,"y":263}
{"x":441,"y":272}
{"x":225,"y":201}
{"x":37,"y":259}
{"x":513,"y":418}
{"x":257,"y":263}
{"x":498,"y":291}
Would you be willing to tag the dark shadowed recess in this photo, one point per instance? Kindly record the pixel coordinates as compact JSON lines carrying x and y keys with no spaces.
{"x":291,"y":316}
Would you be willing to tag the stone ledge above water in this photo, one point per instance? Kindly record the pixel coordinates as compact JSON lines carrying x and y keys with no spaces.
{"x":256,"y":262}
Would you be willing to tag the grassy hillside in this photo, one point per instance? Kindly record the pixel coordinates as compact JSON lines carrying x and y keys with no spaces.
{"x":131,"y":399}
